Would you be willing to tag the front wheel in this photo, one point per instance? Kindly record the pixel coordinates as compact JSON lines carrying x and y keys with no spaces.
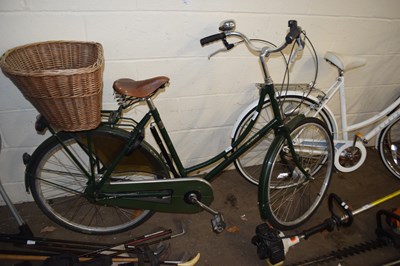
{"x":59,"y":173}
{"x":389,"y":147}
{"x":287,"y":195}
{"x":250,"y":163}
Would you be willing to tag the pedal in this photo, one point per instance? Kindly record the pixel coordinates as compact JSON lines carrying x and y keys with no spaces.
{"x":360,"y":136}
{"x":217,"y":221}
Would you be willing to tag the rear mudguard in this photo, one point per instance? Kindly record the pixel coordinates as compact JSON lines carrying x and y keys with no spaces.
{"x":107,"y":145}
{"x":269,"y":160}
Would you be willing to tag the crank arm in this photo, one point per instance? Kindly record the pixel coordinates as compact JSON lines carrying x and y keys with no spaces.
{"x":217,"y":222}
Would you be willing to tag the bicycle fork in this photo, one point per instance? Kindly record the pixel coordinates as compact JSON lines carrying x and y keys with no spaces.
{"x":282,"y":135}
{"x":296,"y":169}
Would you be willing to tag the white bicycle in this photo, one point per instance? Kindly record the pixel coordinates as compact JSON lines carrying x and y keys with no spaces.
{"x":350,"y":151}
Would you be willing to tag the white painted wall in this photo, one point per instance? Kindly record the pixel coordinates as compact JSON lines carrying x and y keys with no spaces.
{"x":145,"y":38}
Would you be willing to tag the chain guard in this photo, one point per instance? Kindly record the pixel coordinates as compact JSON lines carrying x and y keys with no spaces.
{"x":165,"y":195}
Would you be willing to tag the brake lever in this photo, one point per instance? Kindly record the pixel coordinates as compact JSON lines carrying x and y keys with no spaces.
{"x":300,"y":47}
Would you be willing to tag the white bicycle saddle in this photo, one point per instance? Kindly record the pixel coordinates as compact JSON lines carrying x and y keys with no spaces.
{"x":345,"y":62}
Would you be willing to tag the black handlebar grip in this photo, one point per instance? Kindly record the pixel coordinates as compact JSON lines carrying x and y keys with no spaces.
{"x":212,"y":38}
{"x":294,"y":31}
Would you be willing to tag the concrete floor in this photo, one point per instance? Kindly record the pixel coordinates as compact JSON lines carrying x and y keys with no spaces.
{"x":237,"y":200}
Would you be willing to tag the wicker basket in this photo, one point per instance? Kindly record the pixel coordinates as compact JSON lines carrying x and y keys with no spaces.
{"x":62,"y":79}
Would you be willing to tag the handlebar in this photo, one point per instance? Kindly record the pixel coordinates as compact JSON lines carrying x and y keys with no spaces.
{"x":293,"y":34}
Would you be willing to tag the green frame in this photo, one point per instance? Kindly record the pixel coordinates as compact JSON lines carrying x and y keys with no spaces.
{"x":233,"y":152}
{"x":179,"y":189}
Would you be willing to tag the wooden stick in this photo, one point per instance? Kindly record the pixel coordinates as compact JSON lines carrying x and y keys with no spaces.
{"x":18,"y":257}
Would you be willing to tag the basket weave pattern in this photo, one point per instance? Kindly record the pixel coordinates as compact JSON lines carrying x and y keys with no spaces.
{"x":62,"y":79}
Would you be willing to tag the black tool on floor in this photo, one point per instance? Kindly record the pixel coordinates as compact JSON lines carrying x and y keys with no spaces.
{"x":272,"y":245}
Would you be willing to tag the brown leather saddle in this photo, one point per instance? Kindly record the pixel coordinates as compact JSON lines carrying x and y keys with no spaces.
{"x":139,"y":88}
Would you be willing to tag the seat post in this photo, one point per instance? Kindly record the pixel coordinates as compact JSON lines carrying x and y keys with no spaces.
{"x":165,"y":136}
{"x":150,"y":104}
{"x":154,"y":113}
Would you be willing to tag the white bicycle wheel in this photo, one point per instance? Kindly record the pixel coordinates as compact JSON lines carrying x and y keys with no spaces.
{"x":389,"y":147}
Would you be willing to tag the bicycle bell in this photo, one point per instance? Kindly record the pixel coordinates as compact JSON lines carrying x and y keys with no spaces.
{"x":227,"y":25}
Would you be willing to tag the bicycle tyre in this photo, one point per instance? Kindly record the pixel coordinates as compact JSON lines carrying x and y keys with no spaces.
{"x":250,"y":163}
{"x":389,"y":147}
{"x":287,"y":198}
{"x":58,"y":185}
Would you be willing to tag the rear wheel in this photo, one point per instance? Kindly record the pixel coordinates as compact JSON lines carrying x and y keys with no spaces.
{"x":59,"y":183}
{"x":389,"y":147}
{"x":290,"y":196}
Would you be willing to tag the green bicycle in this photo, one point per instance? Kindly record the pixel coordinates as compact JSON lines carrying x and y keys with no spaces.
{"x":109,"y":179}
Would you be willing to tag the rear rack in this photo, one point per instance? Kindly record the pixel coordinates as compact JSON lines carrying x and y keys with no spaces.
{"x":305,"y":88}
{"x":113,"y":118}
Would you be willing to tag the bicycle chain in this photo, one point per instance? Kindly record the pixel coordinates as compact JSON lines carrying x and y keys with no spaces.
{"x":344,"y":252}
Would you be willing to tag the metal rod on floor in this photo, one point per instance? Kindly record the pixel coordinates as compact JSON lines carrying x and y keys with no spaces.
{"x":12,"y":208}
{"x":132,"y":242}
{"x":376,"y":202}
{"x":42,"y":258}
{"x":19,"y":257}
{"x":23,"y":227}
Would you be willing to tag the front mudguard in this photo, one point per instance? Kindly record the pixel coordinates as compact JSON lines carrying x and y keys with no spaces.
{"x":269,"y":161}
